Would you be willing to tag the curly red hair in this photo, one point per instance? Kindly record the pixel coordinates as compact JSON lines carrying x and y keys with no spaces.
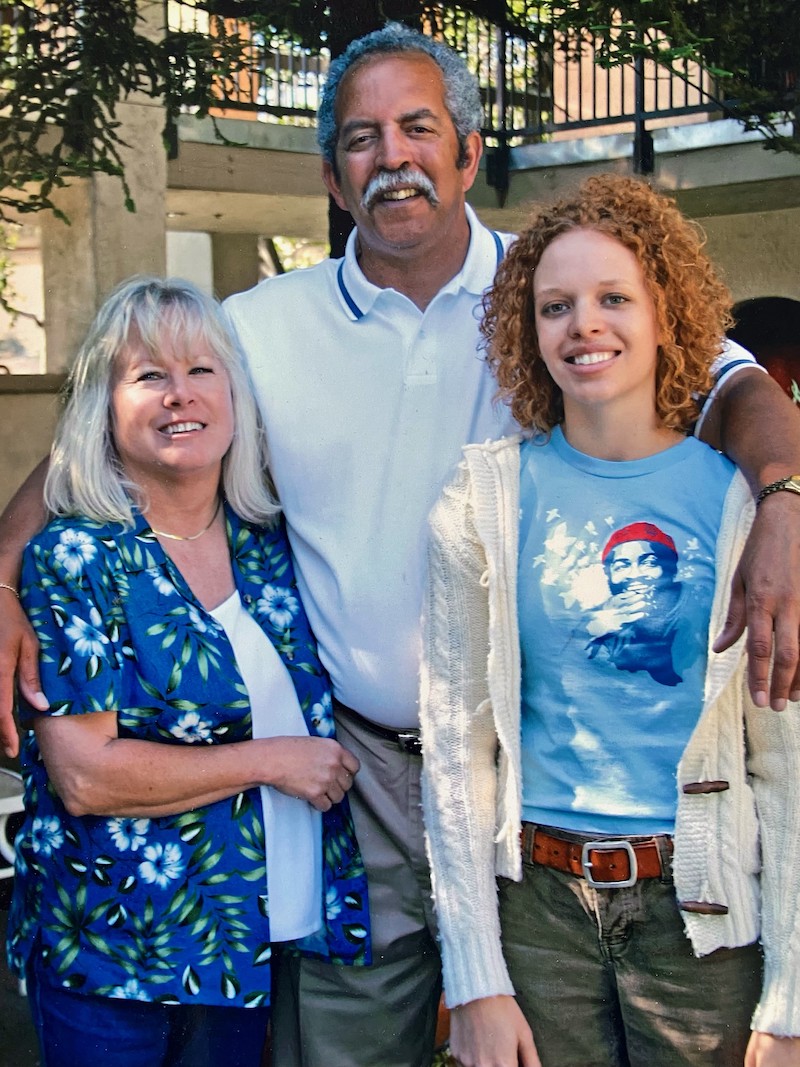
{"x":692,"y":304}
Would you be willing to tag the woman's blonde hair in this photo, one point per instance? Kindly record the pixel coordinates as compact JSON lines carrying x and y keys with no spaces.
{"x":85,"y":475}
{"x":692,"y":304}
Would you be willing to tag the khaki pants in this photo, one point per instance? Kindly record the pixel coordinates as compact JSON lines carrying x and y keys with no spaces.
{"x":325,"y":1015}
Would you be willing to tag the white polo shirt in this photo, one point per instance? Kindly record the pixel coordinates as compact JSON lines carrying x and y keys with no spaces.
{"x":367,"y":402}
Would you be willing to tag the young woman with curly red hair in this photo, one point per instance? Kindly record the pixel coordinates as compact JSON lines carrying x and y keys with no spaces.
{"x":582,"y":743}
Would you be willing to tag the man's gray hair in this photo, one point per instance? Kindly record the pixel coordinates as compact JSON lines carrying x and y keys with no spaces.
{"x":462,"y":95}
{"x":85,"y":475}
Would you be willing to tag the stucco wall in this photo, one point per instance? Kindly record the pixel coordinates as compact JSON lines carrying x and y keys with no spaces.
{"x":757,"y":253}
{"x":28,"y":413}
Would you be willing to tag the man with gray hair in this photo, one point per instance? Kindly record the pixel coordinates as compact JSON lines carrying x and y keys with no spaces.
{"x":370,"y":378}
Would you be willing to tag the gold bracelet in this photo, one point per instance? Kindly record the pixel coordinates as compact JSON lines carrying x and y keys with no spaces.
{"x":792,"y":484}
{"x":11,"y":589}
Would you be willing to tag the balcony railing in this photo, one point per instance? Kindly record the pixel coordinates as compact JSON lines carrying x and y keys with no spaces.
{"x":537,"y":87}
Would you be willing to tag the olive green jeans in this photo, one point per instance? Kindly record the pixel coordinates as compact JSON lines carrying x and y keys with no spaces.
{"x":607,"y":977}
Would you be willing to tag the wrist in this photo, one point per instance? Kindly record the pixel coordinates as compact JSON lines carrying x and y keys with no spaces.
{"x":9,"y":588}
{"x":266,"y":763}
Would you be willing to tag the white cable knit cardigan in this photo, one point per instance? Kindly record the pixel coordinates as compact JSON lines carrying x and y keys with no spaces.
{"x":470,"y":711}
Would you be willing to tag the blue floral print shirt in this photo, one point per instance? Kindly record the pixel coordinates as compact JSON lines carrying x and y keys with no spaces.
{"x":170,"y":909}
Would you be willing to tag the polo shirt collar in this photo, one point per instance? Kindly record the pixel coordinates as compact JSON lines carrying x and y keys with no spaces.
{"x":358,"y":295}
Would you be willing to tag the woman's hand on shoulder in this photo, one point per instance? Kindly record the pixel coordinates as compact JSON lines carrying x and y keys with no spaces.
{"x":491,"y":1032}
{"x":317,"y":769}
{"x":767,"y":1050}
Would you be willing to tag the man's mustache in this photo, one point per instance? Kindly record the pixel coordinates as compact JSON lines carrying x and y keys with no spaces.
{"x":389,"y":181}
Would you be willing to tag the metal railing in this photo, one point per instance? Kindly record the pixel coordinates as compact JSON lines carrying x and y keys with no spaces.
{"x":279,"y":81}
{"x":538,"y":84}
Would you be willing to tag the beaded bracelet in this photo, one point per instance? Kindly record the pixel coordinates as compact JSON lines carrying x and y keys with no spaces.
{"x":11,"y":589}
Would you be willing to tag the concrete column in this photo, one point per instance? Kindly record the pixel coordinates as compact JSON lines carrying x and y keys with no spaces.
{"x":235,"y":262}
{"x":104,"y":242}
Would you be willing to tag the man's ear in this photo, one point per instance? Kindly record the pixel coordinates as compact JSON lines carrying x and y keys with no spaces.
{"x":473,"y":150}
{"x":332,"y":184}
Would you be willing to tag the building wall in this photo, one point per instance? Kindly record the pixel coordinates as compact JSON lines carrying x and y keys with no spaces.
{"x":757,"y":253}
{"x":28,"y":413}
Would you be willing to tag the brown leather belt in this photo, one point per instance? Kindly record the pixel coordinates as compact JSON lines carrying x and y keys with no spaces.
{"x":605,"y":864}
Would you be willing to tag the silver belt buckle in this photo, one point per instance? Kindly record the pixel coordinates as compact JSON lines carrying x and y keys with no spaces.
{"x":609,"y":846}
{"x":409,"y":742}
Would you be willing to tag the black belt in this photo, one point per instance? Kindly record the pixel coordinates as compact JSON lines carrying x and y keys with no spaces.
{"x":406,"y":740}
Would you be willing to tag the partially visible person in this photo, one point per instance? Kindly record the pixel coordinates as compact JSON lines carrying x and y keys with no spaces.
{"x":641,"y":819}
{"x":769,"y":326}
{"x":369,"y":376}
{"x":185,"y":799}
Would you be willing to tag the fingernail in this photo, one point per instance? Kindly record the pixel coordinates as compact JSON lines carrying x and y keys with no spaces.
{"x":779,"y":705}
{"x":41,"y":701}
{"x":795,"y":695}
{"x":761,"y":699}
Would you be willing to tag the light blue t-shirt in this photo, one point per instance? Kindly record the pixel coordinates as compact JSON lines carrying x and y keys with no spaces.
{"x":616,"y":579}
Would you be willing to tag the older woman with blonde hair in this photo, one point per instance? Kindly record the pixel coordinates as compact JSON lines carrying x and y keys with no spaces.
{"x":581,"y":739}
{"x":185,"y":798}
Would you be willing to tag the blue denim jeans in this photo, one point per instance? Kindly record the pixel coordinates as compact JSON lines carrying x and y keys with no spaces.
{"x":607,"y":977}
{"x":77,"y":1030}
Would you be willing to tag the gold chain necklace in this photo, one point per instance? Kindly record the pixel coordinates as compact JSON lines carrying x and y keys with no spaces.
{"x":193,"y":537}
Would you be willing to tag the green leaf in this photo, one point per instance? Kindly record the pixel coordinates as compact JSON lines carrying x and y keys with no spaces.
{"x":216,"y":879}
{"x":69,"y":958}
{"x":97,"y":942}
{"x":250,"y":854}
{"x":255,"y":1000}
{"x":191,"y":981}
{"x":184,"y":705}
{"x":202,"y":664}
{"x":117,"y":914}
{"x":174,"y":678}
{"x":192,"y":832}
{"x":209,"y":863}
{"x":354,"y":932}
{"x":148,"y":688}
